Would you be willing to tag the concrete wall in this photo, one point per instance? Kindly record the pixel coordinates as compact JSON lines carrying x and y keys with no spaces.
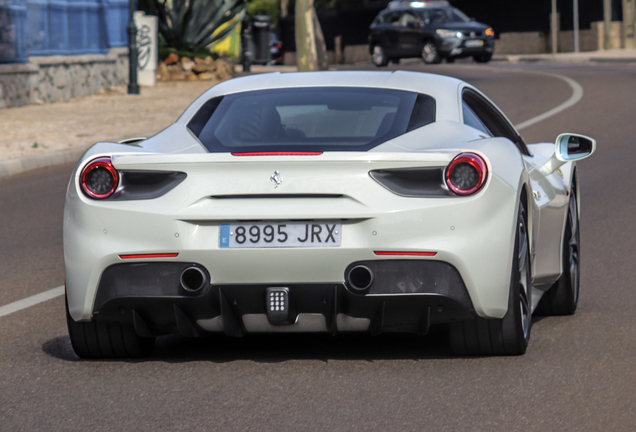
{"x":540,"y":42}
{"x":56,"y":78}
{"x":351,"y":54}
{"x":616,"y":35}
{"x":522,"y":43}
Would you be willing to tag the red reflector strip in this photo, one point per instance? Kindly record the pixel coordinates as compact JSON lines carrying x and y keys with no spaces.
{"x":405,"y":253}
{"x":278,"y":154}
{"x":161,"y":255}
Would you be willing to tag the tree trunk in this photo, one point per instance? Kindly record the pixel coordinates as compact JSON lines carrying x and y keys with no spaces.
{"x":321,"y":46}
{"x":311,"y":51}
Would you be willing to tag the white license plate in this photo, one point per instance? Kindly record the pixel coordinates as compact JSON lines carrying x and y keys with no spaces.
{"x":474,"y":43}
{"x":271,"y":235}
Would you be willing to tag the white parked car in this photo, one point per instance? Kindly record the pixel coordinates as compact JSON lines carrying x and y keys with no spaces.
{"x":324,"y":202}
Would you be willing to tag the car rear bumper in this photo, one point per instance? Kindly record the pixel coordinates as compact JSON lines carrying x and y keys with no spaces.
{"x":405,"y":296}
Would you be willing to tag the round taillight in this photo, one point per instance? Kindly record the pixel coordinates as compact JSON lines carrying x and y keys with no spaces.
{"x":99,"y":178}
{"x":466,"y":174}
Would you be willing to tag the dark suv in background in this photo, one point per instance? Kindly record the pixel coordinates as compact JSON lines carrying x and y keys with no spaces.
{"x":433,"y":30}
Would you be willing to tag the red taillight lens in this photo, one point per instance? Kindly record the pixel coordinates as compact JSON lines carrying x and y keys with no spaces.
{"x":99,"y":178}
{"x":466,"y":174}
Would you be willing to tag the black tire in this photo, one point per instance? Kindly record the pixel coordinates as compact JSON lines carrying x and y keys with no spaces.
{"x":511,"y":334}
{"x":430,"y":53}
{"x":378,"y":56}
{"x":563,"y":297}
{"x":482,"y":58}
{"x":95,"y":340}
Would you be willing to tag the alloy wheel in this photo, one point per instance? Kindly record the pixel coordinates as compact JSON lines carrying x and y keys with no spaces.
{"x":573,"y":249}
{"x":378,"y":56}
{"x":429,"y":53}
{"x":524,"y":277}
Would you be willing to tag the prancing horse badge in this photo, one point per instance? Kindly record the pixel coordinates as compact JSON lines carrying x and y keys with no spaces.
{"x":276,"y":179}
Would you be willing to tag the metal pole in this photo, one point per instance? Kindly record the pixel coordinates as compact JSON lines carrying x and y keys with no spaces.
{"x":607,"y":15}
{"x":554,"y":27}
{"x":246,"y":43}
{"x":133,"y":86}
{"x":577,"y":42}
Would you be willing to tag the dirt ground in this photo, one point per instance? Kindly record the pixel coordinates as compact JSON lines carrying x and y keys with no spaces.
{"x":108,"y":116}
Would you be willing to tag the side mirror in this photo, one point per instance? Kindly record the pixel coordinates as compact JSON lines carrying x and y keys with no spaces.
{"x":569,"y":147}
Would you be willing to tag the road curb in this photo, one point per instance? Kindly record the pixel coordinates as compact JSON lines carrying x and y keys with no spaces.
{"x":10,"y":167}
{"x":562,"y":58}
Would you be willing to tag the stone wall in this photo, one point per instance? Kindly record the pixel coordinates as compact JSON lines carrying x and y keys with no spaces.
{"x":56,"y":78}
{"x":16,"y":84}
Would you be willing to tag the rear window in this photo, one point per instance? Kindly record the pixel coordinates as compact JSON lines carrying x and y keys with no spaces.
{"x":309,"y":119}
{"x":443,"y":16}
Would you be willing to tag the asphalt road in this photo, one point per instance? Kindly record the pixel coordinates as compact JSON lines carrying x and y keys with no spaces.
{"x":579,"y":372}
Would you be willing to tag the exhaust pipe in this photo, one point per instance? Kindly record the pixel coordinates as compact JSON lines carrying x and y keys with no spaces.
{"x":193,"y":279}
{"x":360,"y":277}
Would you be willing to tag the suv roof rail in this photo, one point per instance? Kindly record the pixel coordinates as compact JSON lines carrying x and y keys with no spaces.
{"x":417,"y":4}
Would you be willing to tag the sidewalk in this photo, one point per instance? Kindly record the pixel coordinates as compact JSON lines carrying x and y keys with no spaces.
{"x":609,"y":56}
{"x":36,"y":136}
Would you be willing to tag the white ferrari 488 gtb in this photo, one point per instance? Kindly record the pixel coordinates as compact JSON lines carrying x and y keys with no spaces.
{"x":324,"y":202}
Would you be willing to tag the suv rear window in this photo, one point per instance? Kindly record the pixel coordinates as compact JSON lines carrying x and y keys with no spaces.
{"x":309,"y":119}
{"x":443,"y":15}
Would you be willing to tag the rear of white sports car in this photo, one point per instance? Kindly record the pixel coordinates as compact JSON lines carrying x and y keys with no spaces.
{"x":296,"y":210}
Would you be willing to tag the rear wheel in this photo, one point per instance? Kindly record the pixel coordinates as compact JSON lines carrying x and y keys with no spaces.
{"x":379,"y":56}
{"x":563,"y":297}
{"x":430,"y":54}
{"x":483,"y":58}
{"x":511,"y":334}
{"x":94,"y":340}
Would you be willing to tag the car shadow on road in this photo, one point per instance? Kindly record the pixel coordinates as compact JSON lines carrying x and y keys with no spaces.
{"x":275,"y":348}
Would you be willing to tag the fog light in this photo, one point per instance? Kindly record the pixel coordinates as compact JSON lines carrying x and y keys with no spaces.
{"x":277,"y":305}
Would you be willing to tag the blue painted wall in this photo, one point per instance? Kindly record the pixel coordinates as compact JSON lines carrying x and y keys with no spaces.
{"x":60,"y":27}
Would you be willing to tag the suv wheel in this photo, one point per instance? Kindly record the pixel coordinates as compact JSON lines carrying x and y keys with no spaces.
{"x":430,"y":55}
{"x":379,"y":57}
{"x":483,"y":58}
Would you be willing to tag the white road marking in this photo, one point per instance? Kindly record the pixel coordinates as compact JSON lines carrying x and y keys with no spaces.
{"x":31,"y":301}
{"x":577,"y":94}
